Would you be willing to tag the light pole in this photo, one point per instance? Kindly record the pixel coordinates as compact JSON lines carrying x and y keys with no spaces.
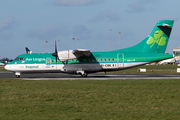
{"x":119,"y":39}
{"x":46,"y":46}
{"x":77,"y":43}
{"x":73,"y":42}
{"x":110,"y":38}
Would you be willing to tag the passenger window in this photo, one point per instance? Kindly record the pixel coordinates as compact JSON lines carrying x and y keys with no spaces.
{"x":109,"y":59}
{"x":97,"y":60}
{"x":113,"y":59}
{"x":52,"y":61}
{"x":100,"y":59}
{"x":105,"y":59}
{"x":72,"y":60}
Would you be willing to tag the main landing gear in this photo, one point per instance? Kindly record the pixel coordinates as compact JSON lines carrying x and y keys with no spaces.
{"x":82,"y":73}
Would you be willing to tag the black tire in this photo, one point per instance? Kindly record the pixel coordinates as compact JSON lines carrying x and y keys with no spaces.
{"x":17,"y":76}
{"x":84,"y":75}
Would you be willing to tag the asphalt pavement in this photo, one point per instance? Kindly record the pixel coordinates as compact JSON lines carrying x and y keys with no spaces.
{"x":95,"y":76}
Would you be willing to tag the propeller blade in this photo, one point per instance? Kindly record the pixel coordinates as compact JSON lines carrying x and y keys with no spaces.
{"x":55,"y":47}
{"x":55,"y":54}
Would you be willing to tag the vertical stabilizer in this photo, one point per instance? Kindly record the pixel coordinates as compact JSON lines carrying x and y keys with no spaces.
{"x":28,"y":51}
{"x":157,"y":41}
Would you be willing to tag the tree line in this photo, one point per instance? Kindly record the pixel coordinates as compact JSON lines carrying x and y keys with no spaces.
{"x":6,"y":60}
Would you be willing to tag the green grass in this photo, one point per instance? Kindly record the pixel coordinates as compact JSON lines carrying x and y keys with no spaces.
{"x":90,"y":100}
{"x":2,"y":69}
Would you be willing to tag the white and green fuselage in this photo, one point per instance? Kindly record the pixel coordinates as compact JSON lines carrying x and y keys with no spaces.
{"x":98,"y":61}
{"x":151,"y":49}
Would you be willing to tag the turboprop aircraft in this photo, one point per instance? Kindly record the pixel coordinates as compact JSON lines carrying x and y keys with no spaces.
{"x":83,"y":62}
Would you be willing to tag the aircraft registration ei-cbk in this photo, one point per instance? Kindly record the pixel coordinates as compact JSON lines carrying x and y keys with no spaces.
{"x":83,"y":62}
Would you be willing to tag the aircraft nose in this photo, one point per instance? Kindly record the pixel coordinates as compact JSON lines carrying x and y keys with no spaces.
{"x":7,"y":67}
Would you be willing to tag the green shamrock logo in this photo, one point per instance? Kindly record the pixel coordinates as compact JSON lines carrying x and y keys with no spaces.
{"x":157,"y":39}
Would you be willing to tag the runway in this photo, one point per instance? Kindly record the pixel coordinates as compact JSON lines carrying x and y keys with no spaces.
{"x":95,"y":76}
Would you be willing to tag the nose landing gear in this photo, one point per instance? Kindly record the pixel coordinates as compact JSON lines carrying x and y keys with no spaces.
{"x":17,"y":74}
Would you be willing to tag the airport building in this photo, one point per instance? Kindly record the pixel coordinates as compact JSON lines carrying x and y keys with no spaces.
{"x":176,"y":53}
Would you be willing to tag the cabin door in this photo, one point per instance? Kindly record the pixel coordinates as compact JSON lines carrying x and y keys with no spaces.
{"x":48,"y":63}
{"x":120,"y":60}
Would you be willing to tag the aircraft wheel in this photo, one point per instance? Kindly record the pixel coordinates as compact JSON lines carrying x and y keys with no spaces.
{"x":17,"y":76}
{"x":84,"y":75}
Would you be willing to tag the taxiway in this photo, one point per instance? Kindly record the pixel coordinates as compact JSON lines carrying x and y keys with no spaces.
{"x":95,"y":76}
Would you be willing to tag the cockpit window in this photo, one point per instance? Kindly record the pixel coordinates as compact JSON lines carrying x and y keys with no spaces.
{"x":19,"y":59}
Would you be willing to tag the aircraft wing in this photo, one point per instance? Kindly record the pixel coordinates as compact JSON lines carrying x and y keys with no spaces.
{"x":81,"y":52}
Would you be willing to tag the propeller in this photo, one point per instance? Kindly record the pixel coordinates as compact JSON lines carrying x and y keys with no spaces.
{"x":55,"y":54}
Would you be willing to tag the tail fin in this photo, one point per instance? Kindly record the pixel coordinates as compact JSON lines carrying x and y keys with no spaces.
{"x":28,"y":51}
{"x":157,"y":41}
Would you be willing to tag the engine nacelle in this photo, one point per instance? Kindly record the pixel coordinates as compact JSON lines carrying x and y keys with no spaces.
{"x":67,"y":55}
